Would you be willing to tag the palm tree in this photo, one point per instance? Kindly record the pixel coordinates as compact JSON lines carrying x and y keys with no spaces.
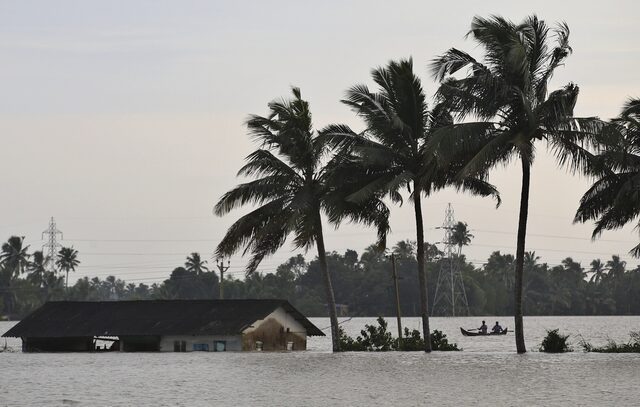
{"x":295,"y":186}
{"x":612,"y":201}
{"x":391,"y":154}
{"x":508,"y":94}
{"x":37,"y":268}
{"x":615,"y":267}
{"x":460,"y":236}
{"x":13,"y":262}
{"x":195,"y":264}
{"x":598,"y":271}
{"x":67,"y":260}
{"x":14,"y":256}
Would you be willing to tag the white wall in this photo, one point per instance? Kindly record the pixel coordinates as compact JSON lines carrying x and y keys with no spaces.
{"x":284,"y":318}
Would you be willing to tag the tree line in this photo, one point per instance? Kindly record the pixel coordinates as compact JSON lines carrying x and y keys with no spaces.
{"x":363,"y":284}
{"x":487,"y":112}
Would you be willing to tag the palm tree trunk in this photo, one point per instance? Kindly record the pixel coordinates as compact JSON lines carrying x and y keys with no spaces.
{"x":422,"y":275}
{"x":328,"y":287}
{"x":522,"y":234}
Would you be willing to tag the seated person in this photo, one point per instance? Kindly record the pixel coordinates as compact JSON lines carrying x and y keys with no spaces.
{"x":483,"y":328}
{"x":496,"y":328}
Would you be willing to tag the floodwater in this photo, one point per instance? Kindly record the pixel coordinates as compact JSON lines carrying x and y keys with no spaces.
{"x":487,"y":372}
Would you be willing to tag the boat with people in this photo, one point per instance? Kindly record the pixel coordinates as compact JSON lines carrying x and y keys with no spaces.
{"x":478,"y":333}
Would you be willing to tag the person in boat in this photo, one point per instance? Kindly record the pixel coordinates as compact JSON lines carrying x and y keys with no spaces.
{"x":483,"y":328}
{"x":496,"y":328}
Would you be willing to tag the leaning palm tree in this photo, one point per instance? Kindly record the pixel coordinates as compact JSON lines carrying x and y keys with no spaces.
{"x":507,"y":92}
{"x":296,"y":184}
{"x":391,"y":154}
{"x":612,"y":201}
{"x":460,"y":236}
{"x":67,"y":260}
{"x":195,"y":264}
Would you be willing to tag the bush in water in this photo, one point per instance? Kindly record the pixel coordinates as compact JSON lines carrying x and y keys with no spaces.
{"x":377,"y":338}
{"x":633,"y":346}
{"x":555,"y":343}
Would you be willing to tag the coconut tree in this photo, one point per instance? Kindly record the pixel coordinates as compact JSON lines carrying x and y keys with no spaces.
{"x":13,"y":262}
{"x":506,"y":93}
{"x":460,"y":236}
{"x":598,"y":271}
{"x":195,"y":264}
{"x":67,"y":260}
{"x":37,"y":268}
{"x":613,"y":200}
{"x":296,"y":185}
{"x":391,"y":154}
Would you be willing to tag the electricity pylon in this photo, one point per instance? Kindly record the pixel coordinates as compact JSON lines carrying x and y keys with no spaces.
{"x":450,"y":298}
{"x":51,"y":244}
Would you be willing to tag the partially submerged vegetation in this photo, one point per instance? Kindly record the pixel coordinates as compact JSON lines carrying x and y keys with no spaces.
{"x":378,"y":339}
{"x":555,"y":342}
{"x":633,"y":346}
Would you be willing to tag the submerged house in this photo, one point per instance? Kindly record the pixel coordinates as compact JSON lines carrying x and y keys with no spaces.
{"x":165,"y":325}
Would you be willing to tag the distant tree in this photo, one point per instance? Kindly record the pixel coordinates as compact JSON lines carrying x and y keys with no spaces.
{"x":615,"y":267}
{"x":13,"y":262}
{"x":460,"y":236}
{"x":598,"y":271}
{"x":297,"y":185}
{"x":195,"y":264}
{"x":14,"y":257}
{"x":67,"y":260}
{"x":37,"y":268}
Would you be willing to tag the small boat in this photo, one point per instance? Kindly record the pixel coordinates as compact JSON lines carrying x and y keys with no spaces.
{"x":467,"y":333}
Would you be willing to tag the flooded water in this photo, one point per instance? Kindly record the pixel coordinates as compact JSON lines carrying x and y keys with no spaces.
{"x":487,"y":372}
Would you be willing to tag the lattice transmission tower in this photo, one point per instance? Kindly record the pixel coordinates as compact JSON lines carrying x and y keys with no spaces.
{"x":51,"y":245}
{"x":450,"y":298}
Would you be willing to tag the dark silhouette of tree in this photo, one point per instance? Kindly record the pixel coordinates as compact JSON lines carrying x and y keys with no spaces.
{"x":392,"y":155}
{"x":598,"y":271}
{"x":612,"y":201}
{"x":460,"y":236}
{"x":296,"y":185}
{"x":13,"y":262}
{"x":508,"y":93}
{"x":67,"y":260}
{"x":195,"y":264}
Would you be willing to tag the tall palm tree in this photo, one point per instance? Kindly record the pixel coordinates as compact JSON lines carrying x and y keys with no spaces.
{"x":296,"y":184}
{"x":13,"y":262}
{"x":598,"y":271}
{"x":195,"y":264}
{"x":67,"y":260}
{"x":508,"y":93}
{"x":460,"y":236}
{"x":612,"y":201}
{"x":391,"y":154}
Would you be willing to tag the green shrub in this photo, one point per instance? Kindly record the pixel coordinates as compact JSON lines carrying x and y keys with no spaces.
{"x":379,"y":339}
{"x":633,"y":346}
{"x":555,"y":343}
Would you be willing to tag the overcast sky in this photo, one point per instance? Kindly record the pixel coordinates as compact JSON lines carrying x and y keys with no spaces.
{"x":124,"y":119}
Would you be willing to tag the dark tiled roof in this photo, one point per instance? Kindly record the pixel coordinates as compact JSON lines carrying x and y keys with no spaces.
{"x":158,"y":317}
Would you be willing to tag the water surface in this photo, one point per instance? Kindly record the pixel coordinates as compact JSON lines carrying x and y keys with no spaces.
{"x":486,"y":372}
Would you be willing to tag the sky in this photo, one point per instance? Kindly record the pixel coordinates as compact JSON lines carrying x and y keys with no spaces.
{"x":124,"y":120}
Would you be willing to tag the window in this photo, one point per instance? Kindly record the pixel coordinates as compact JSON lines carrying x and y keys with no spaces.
{"x":203,"y":347}
{"x":219,"y":346}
